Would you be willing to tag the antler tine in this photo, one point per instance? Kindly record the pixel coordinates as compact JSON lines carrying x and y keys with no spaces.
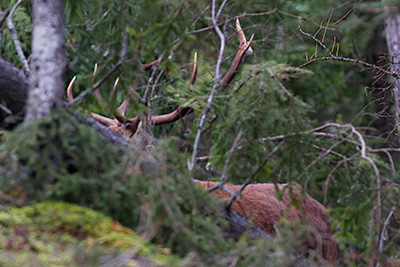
{"x":115,"y":85}
{"x":240,"y":32}
{"x":69,"y":89}
{"x":118,"y":115}
{"x":94,"y":71}
{"x":122,"y":108}
{"x":96,"y":91}
{"x":194,"y":73}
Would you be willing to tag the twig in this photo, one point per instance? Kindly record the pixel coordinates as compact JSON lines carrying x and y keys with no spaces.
{"x":4,"y":16}
{"x":14,"y":36}
{"x":328,"y":178}
{"x":385,"y":225}
{"x":6,"y":110}
{"x":289,"y":94}
{"x":345,"y":59}
{"x":223,"y":178}
{"x":316,"y":40}
{"x":254,"y":174}
{"x":152,"y":75}
{"x":267,"y":13}
{"x":152,"y":92}
{"x":326,"y":152}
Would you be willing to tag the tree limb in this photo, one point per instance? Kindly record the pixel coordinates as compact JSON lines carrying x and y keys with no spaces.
{"x":14,"y":36}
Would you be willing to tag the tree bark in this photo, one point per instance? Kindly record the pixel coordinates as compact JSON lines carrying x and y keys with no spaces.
{"x":48,"y":58}
{"x":392,"y":27}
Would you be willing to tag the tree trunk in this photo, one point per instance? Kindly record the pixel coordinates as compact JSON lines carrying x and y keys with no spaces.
{"x":48,"y":58}
{"x":392,"y":27}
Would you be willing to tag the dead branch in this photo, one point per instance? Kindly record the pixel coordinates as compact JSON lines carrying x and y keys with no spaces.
{"x":224,"y":178}
{"x":3,"y":16}
{"x":254,"y":174}
{"x":14,"y":36}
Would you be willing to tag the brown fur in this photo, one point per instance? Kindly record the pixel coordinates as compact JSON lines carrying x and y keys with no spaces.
{"x":260,"y":204}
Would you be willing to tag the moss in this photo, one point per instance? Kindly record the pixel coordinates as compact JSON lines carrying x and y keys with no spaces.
{"x":62,"y":234}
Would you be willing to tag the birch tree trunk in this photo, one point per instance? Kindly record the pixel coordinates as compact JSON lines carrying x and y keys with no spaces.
{"x":48,"y":58}
{"x":392,"y":28}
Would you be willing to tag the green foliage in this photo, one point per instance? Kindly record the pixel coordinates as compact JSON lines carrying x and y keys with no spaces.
{"x":59,"y":159}
{"x":64,"y":160}
{"x":144,"y":191}
{"x":22,"y":22}
{"x":61,"y":234}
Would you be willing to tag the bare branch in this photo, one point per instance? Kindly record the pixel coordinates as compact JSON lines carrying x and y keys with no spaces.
{"x":289,"y":94}
{"x":254,"y":174}
{"x":216,"y":84}
{"x":316,"y":40}
{"x":223,"y":178}
{"x":14,"y":36}
{"x":3,"y":16}
{"x":382,"y":239}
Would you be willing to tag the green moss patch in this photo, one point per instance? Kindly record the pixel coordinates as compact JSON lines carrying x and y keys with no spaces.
{"x":62,"y":234}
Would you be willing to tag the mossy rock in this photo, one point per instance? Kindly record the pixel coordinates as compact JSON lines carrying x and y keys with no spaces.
{"x":62,"y":234}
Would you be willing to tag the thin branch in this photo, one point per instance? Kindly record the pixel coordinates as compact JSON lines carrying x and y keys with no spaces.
{"x":260,"y":14}
{"x":345,"y":59}
{"x":14,"y":36}
{"x":221,"y":7}
{"x":325,"y":153}
{"x":330,"y":175}
{"x":152,"y":92}
{"x":4,"y":14}
{"x":254,"y":174}
{"x":6,"y":110}
{"x":316,"y":40}
{"x":286,"y":91}
{"x":385,"y":225}
{"x":223,"y":178}
{"x":153,"y":73}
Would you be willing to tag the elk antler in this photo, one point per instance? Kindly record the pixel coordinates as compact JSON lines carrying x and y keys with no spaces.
{"x":128,"y":127}
{"x":244,"y":51}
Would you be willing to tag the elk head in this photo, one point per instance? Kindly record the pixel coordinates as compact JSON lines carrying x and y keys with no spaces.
{"x":129,"y":126}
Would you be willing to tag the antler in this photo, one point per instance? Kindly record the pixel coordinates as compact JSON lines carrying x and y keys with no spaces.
{"x":128,"y":127}
{"x":244,"y":51}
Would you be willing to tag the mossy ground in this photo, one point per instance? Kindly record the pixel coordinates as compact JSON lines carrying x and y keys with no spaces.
{"x":62,"y":234}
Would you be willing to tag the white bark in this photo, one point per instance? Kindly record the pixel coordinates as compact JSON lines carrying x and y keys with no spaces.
{"x":48,"y":58}
{"x":392,"y":27}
